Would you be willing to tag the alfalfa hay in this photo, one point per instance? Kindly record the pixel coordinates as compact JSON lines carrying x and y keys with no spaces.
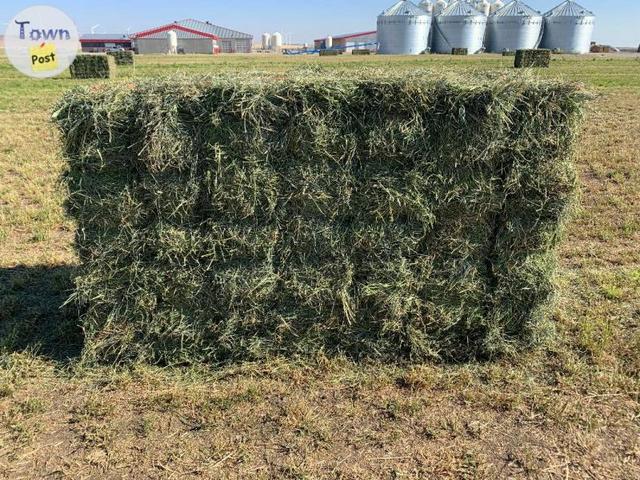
{"x":122,"y":57}
{"x":93,"y":66}
{"x":372,"y":215}
{"x":530,"y":58}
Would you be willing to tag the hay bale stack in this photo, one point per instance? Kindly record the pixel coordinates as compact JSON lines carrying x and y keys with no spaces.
{"x":530,"y":58}
{"x":329,"y":53}
{"x":373,"y":215}
{"x":93,"y":66}
{"x":122,"y":57}
{"x":459,"y":51}
{"x":361,"y":51}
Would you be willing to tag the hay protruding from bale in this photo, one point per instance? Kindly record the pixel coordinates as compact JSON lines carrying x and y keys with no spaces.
{"x":532,"y":58}
{"x":362,"y":214}
{"x":123,"y":57}
{"x":93,"y":66}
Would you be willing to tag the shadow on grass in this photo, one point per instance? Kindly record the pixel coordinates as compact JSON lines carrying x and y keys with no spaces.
{"x":31,"y":313}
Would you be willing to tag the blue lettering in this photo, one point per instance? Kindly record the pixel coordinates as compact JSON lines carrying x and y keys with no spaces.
{"x":50,"y":34}
{"x":22,"y":24}
{"x":37,"y":35}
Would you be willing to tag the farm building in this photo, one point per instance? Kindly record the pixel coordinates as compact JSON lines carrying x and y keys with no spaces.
{"x":351,"y":41}
{"x":194,"y":36}
{"x":100,"y":42}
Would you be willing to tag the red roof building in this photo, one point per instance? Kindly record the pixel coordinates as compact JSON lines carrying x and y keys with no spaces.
{"x":194,"y":36}
{"x":101,"y":42}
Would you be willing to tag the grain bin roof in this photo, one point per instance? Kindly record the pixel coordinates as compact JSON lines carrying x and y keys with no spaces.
{"x":569,"y":9}
{"x":516,"y":9}
{"x":404,"y":7}
{"x":460,"y":8}
{"x":191,"y":28}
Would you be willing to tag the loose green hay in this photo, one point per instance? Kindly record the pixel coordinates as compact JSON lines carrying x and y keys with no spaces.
{"x":371,"y":215}
{"x":122,"y":57}
{"x":93,"y":66}
{"x":459,"y":51}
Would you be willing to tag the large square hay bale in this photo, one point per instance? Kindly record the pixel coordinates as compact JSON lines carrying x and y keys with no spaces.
{"x":93,"y":66}
{"x":361,"y":51}
{"x":459,"y":51}
{"x":122,"y":57}
{"x":540,"y":58}
{"x":329,"y":53}
{"x":373,"y":215}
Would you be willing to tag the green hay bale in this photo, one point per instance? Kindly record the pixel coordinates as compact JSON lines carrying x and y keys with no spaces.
{"x":509,"y":53}
{"x":93,"y":66}
{"x":365,"y":214}
{"x":459,"y":51}
{"x":361,"y":52}
{"x":329,"y":53}
{"x":540,"y":58}
{"x":122,"y":57}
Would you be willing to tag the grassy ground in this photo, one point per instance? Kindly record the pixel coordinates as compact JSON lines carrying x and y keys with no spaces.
{"x":569,"y":411}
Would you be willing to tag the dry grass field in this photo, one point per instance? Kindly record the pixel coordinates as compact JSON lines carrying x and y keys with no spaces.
{"x":570,"y":410}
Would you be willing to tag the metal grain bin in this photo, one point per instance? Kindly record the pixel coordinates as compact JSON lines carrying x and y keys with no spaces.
{"x":459,"y":25}
{"x":439,"y":6}
{"x":515,"y":26}
{"x":403,"y":29}
{"x":427,"y":6}
{"x":569,"y":28}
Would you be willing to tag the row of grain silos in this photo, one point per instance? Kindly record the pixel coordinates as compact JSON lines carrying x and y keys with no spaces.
{"x":408,"y":29}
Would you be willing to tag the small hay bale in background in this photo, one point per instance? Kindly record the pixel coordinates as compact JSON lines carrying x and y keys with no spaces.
{"x":361,"y":51}
{"x":122,"y":57}
{"x":93,"y":66}
{"x":386,"y":216}
{"x":530,"y":58}
{"x":329,"y":53}
{"x":509,"y":53}
{"x":459,"y":51}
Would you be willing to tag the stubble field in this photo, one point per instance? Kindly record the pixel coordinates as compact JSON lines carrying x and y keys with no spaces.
{"x":571,"y":410}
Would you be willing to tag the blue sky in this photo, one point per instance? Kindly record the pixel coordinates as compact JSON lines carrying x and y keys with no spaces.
{"x":618,"y":21}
